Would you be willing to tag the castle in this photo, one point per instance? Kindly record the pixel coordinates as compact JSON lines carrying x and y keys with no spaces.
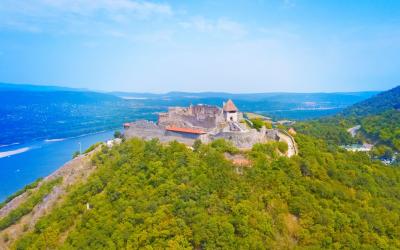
{"x":203,"y":122}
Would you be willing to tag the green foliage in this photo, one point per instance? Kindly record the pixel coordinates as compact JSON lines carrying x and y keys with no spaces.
{"x":117,"y":134}
{"x":378,"y":116}
{"x":282,"y":147}
{"x":383,"y":128}
{"x":145,"y":195}
{"x":333,"y":130}
{"x":197,"y":144}
{"x":268,"y":124}
{"x":28,"y":205}
{"x":382,"y":152}
{"x":223,"y":146}
{"x":385,"y":101}
{"x":257,"y":123}
{"x":76,"y":154}
{"x":19,"y":192}
{"x":91,"y":148}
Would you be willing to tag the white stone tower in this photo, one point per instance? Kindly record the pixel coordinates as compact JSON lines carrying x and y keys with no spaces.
{"x":230,"y":111}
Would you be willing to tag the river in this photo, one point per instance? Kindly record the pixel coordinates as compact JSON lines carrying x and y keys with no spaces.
{"x":23,"y":164}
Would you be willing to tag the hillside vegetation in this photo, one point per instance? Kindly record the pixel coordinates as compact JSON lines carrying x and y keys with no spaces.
{"x":384,"y":128}
{"x":145,"y":195}
{"x":387,"y":100}
{"x":378,"y":116}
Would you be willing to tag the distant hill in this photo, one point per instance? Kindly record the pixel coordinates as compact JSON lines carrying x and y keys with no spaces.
{"x":30,"y":113}
{"x":341,"y":97}
{"x":18,"y":97}
{"x":296,"y":106}
{"x":379,"y":117}
{"x":40,"y":112}
{"x":384,"y":101}
{"x":31,"y":87}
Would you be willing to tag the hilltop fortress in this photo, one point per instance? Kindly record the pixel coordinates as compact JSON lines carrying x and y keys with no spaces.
{"x":203,"y":122}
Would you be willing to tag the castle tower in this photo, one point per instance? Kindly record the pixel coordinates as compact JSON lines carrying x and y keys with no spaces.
{"x":230,"y":111}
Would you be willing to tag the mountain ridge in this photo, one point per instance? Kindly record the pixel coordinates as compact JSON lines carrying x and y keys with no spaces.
{"x":384,"y":101}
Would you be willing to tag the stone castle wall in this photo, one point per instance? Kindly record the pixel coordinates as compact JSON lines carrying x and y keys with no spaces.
{"x":210,"y":119}
{"x":199,"y":116}
{"x":242,"y":139}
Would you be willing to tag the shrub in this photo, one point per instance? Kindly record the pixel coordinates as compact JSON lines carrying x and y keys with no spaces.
{"x":117,"y":134}
{"x":224,"y":146}
{"x":75,"y":154}
{"x":258,"y":123}
{"x":91,"y":148}
{"x":19,"y":192}
{"x":28,"y":205}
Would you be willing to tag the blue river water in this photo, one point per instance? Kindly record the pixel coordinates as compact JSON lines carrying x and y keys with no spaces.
{"x":25,"y":163}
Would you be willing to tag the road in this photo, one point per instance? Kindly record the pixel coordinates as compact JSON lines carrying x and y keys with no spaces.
{"x":292,"y":147}
{"x":353,"y":131}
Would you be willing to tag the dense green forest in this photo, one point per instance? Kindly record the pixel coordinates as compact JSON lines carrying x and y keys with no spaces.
{"x":26,"y":207}
{"x":384,"y":128}
{"x":149,"y":195}
{"x":384,"y":101}
{"x":332,"y":129}
{"x":146,"y":195}
{"x":378,"y":116}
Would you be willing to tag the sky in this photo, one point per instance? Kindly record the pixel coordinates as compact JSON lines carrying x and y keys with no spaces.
{"x":238,"y":46}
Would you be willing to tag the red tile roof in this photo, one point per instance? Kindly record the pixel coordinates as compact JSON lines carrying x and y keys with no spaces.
{"x":230,"y":106}
{"x":185,"y":130}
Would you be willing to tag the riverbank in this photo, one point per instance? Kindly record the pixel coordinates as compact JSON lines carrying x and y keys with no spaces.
{"x":70,"y":173}
{"x":41,"y":159}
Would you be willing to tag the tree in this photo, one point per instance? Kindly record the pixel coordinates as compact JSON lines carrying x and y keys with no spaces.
{"x":76,"y":154}
{"x":117,"y":134}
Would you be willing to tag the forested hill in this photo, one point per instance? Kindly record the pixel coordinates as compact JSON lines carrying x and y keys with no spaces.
{"x":378,"y":116}
{"x":385,"y":101}
{"x":146,"y":195}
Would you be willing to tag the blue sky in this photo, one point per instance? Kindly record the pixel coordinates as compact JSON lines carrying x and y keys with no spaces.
{"x":210,"y":45}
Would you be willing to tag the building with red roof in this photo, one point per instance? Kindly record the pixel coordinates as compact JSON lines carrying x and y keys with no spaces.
{"x":185,"y":132}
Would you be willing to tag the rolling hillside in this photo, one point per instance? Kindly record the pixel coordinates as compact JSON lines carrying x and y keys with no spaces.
{"x":385,"y":101}
{"x":379,"y":117}
{"x":149,"y":195}
{"x":146,"y":195}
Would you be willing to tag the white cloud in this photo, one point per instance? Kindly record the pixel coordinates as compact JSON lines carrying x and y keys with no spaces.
{"x":85,"y":7}
{"x":81,"y":16}
{"x":220,"y":25}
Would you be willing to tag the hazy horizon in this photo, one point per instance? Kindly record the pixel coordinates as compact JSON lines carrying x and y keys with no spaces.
{"x":194,"y":92}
